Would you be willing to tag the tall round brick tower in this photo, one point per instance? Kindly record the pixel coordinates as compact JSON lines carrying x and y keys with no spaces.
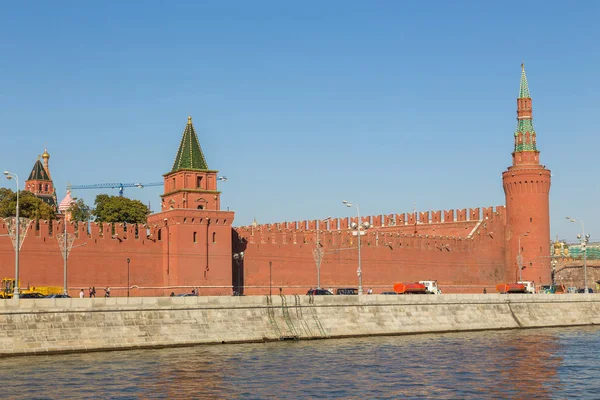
{"x":527,"y":187}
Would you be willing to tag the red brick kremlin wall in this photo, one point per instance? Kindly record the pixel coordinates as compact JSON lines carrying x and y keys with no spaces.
{"x":462,"y":250}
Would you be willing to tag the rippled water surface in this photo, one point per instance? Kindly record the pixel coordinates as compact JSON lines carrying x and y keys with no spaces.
{"x":548,"y":363}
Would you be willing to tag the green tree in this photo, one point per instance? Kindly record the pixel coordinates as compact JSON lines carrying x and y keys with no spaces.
{"x":119,"y":209}
{"x":81,"y":211}
{"x":29,"y":205}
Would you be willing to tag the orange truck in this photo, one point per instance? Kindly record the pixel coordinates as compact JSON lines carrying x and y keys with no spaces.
{"x":410,"y":288}
{"x":511,"y":288}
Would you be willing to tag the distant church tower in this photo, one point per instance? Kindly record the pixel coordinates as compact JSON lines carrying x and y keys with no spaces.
{"x":195,"y":233}
{"x":527,"y":187}
{"x":39,"y":182}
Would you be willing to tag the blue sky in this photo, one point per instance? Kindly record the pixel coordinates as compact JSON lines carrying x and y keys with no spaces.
{"x":304,"y":104}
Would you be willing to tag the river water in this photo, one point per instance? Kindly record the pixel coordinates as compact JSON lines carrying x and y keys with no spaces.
{"x":542,"y":363}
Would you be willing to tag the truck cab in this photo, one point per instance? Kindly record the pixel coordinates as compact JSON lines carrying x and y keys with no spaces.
{"x":529,"y":286}
{"x":431,"y":286}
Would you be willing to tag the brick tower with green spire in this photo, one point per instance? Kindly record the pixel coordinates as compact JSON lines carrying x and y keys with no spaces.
{"x":527,"y":188}
{"x":195,"y":233}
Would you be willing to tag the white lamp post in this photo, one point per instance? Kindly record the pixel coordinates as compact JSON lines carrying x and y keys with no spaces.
{"x":358,"y":228}
{"x":520,"y":257}
{"x":11,"y":175}
{"x":584,"y":240}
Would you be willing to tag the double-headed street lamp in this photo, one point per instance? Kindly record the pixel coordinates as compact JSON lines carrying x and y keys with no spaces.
{"x":11,"y":175}
{"x":520,"y":257}
{"x":358,"y":226}
{"x":584,"y":241}
{"x":318,"y":252}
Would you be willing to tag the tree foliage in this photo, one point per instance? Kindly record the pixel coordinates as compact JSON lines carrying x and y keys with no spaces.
{"x":29,"y":205}
{"x":80,"y":211}
{"x":119,"y":209}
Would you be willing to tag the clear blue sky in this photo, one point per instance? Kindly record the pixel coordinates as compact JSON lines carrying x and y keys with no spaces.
{"x":304,"y":104}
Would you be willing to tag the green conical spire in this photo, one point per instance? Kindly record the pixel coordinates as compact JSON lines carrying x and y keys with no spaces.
{"x":189,"y":155}
{"x":524,"y":89}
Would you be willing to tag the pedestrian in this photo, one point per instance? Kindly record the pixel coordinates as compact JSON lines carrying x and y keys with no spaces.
{"x":484,"y":290}
{"x":370,"y":291}
{"x":93,"y":291}
{"x":90,"y":290}
{"x":172,"y":294}
{"x":107,"y":292}
{"x":81,"y":294}
{"x":193,"y":292}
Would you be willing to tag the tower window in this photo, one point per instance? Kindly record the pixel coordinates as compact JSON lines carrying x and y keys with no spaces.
{"x":200,"y":207}
{"x":199,"y":182}
{"x":530,"y":219}
{"x":195,"y":237}
{"x":160,"y":234}
{"x":214,"y":237}
{"x":173,"y":183}
{"x":40,"y":187}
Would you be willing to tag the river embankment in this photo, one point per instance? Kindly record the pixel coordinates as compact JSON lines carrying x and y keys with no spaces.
{"x":46,"y":326}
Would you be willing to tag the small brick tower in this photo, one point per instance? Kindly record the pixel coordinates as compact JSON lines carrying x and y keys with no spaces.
{"x":195,"y":233}
{"x":527,"y":187}
{"x":39,"y":182}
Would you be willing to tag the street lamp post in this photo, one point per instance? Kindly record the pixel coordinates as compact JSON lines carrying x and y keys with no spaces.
{"x":11,"y":175}
{"x":270,"y":275}
{"x":520,"y":257}
{"x":318,"y":253}
{"x":358,"y":227}
{"x":128,"y":260}
{"x":584,"y":240}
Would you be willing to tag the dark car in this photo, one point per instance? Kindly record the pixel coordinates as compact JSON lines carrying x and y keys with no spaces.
{"x":186,"y":295}
{"x":582,"y":290}
{"x":347,"y":291}
{"x":389,"y":293}
{"x":58,"y":296}
{"x":31,"y":296}
{"x":318,"y":292}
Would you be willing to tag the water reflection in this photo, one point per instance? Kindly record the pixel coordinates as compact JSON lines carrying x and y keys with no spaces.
{"x":550,"y":363}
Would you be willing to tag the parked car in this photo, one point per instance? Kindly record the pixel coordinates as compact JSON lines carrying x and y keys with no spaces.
{"x":347,"y":291}
{"x":318,"y":292}
{"x":389,"y":293}
{"x":582,"y":290}
{"x":31,"y":296}
{"x":58,"y":296}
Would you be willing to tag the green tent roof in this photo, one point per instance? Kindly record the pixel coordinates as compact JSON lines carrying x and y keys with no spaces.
{"x":38,"y":172}
{"x":189,"y":155}
{"x":524,"y":88}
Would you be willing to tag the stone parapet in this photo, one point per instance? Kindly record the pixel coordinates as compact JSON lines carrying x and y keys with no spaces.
{"x":44,"y":326}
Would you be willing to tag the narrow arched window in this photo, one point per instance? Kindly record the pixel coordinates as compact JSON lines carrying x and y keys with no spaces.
{"x":214,"y":237}
{"x":195,"y":237}
{"x":160,"y":234}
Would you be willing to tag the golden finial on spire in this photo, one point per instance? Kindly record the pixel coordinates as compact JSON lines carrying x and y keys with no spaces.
{"x":45,"y":155}
{"x":189,"y":120}
{"x":522,"y":65}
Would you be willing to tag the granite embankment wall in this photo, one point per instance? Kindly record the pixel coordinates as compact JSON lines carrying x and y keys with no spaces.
{"x":47,"y":326}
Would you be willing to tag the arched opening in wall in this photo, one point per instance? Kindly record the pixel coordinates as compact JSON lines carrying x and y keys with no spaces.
{"x":173,"y":183}
{"x":199,"y":182}
{"x":159,"y":234}
{"x":530,"y":219}
{"x":200,"y":207}
{"x":40,"y":187}
{"x":195,"y":237}
{"x":46,"y":188}
{"x":214,"y":237}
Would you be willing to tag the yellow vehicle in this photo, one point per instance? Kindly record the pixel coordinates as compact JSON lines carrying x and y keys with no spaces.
{"x":7,"y":288}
